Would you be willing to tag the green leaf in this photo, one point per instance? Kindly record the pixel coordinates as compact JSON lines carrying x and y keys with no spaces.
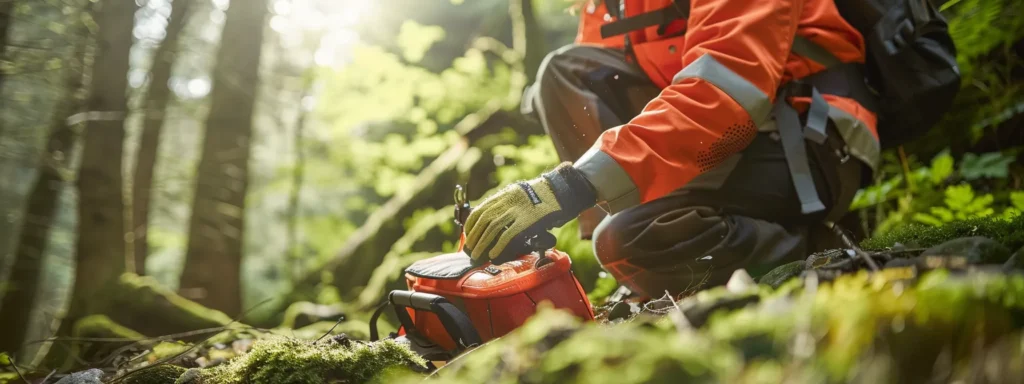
{"x":927,"y":219}
{"x":959,"y":197}
{"x":5,"y":359}
{"x":992,"y":164}
{"x":1017,"y":199}
{"x":942,"y":167}
{"x":416,"y":39}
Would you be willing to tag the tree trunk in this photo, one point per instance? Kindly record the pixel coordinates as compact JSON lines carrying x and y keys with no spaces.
{"x":101,"y":231}
{"x":6,"y":15}
{"x":294,"y":250}
{"x":158,"y":94}
{"x":527,"y":36}
{"x":214,"y":255}
{"x":43,"y":199}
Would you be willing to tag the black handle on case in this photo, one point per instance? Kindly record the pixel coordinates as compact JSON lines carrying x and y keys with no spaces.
{"x":455,"y":322}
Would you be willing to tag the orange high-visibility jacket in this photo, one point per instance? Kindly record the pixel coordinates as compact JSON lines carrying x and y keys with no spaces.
{"x":719,"y":72}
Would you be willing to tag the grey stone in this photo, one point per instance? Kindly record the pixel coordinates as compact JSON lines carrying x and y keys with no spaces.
{"x":976,"y":250}
{"x":91,"y":376}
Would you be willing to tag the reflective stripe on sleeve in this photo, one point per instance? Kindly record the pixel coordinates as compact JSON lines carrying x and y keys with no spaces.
{"x":615,"y":189}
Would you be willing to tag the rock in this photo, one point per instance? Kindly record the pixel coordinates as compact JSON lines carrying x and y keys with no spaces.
{"x":699,"y":308}
{"x":1016,"y":261}
{"x":973,"y":250}
{"x":740,"y":282}
{"x":91,"y":376}
{"x":782,"y":274}
{"x":623,"y":310}
{"x":901,"y":262}
{"x":191,"y":376}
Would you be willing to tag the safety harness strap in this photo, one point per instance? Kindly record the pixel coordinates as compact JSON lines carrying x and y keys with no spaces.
{"x":679,"y":9}
{"x":795,"y":150}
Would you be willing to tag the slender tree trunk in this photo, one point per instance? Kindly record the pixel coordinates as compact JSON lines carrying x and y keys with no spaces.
{"x":527,"y":36}
{"x":6,"y":15}
{"x":100,"y":249}
{"x":213,"y":259}
{"x":294,"y":250}
{"x":158,"y":95}
{"x":43,"y":201}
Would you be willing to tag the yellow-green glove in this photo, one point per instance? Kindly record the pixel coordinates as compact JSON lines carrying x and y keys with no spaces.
{"x":502,"y":223}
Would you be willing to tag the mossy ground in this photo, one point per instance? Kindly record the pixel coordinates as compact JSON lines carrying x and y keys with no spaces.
{"x":890,"y":327}
{"x":896,"y":325}
{"x":1009,"y":233}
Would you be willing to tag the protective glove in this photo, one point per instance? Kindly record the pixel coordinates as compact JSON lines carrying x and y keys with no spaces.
{"x":516,"y":213}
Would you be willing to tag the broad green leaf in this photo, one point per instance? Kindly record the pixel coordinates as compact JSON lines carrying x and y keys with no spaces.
{"x":992,"y":164}
{"x":927,"y":219}
{"x":1017,"y":199}
{"x":941,"y":168}
{"x":959,"y":197}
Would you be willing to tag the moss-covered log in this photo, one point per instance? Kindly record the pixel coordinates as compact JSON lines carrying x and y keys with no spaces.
{"x":142,"y":304}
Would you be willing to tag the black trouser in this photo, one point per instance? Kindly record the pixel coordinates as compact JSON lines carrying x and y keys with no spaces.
{"x":742,"y":214}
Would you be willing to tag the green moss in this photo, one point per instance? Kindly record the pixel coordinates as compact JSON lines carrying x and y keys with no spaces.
{"x":141,"y":303}
{"x":1009,"y":233}
{"x":161,"y":374}
{"x":103,"y":326}
{"x":100,"y":326}
{"x":281,"y":360}
{"x":781,"y":274}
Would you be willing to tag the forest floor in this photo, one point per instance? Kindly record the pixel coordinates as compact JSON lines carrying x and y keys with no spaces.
{"x":944,"y":304}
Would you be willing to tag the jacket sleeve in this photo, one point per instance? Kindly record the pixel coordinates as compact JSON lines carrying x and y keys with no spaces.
{"x":733,"y":61}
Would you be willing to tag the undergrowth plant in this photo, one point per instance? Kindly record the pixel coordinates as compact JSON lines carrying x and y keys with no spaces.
{"x":942,"y":191}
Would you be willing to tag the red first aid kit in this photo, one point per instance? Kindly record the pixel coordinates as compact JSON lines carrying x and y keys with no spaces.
{"x":453,"y":303}
{"x":495,"y":298}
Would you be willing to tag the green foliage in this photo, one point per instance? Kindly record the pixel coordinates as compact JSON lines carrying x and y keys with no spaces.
{"x":991,"y":165}
{"x":961,"y":204}
{"x":415,"y":39}
{"x":940,"y":192}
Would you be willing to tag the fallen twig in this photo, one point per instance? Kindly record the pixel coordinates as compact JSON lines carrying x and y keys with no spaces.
{"x":340,"y":319}
{"x":14,"y":364}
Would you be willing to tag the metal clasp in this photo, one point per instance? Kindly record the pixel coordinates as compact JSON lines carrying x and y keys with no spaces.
{"x":462,"y":208}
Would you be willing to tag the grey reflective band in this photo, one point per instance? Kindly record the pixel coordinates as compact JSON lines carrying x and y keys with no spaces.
{"x":817,"y":118}
{"x":859,"y":140}
{"x":811,"y":50}
{"x":615,"y":189}
{"x":751,"y":98}
{"x":795,"y":150}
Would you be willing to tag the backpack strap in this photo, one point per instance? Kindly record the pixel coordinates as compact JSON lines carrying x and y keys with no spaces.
{"x":679,"y":9}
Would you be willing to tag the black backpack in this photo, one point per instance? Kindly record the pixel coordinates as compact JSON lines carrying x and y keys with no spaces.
{"x":911,"y":64}
{"x":911,"y":74}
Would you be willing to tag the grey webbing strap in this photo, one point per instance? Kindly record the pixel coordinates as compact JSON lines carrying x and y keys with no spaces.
{"x":811,"y":50}
{"x":795,"y":150}
{"x":817,"y":118}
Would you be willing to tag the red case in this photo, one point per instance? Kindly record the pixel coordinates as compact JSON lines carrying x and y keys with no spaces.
{"x":499,"y":298}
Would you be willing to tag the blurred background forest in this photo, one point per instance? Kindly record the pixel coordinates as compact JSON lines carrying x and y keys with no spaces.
{"x":252,"y":154}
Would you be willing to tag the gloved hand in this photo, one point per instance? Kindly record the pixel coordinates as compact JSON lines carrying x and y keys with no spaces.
{"x":524,"y":209}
